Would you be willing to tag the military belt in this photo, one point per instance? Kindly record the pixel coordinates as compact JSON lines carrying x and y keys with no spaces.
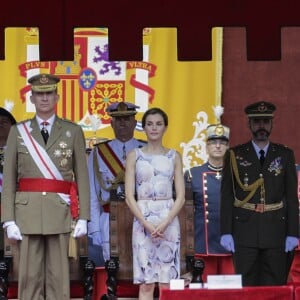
{"x":156,"y":198}
{"x":260,"y":207}
{"x":45,"y":185}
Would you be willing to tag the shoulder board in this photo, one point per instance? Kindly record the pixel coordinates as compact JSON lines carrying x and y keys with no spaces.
{"x":101,"y":141}
{"x":59,"y":120}
{"x":240,"y":146}
{"x":281,"y":146}
{"x":69,"y":121}
{"x":142,"y":141}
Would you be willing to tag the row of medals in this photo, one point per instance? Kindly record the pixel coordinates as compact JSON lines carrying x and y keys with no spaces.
{"x":63,"y":153}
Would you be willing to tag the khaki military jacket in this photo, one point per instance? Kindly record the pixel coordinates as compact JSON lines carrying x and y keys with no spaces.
{"x":38,"y":212}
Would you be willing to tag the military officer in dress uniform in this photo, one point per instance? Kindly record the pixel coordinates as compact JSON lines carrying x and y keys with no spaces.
{"x":6,"y":121}
{"x":46,"y":176}
{"x":205,"y":181}
{"x":259,"y":203}
{"x":106,"y":170}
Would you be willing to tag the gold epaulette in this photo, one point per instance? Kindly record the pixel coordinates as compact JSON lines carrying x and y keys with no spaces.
{"x":68,"y":121}
{"x":142,"y":141}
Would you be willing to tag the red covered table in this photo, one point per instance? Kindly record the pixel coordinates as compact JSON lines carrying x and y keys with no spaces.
{"x":246,"y":293}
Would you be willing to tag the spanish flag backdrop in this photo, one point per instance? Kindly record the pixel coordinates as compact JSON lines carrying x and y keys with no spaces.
{"x":187,"y":91}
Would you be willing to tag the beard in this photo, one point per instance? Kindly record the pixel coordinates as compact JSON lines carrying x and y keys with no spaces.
{"x":261,"y":135}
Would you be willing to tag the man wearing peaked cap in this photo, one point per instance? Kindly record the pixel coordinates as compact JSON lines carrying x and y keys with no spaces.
{"x":45,"y":196}
{"x":205,"y":182}
{"x":44,"y":82}
{"x":217,"y":131}
{"x":261,"y":109}
{"x":259,"y":203}
{"x":119,"y":109}
{"x":106,"y":165}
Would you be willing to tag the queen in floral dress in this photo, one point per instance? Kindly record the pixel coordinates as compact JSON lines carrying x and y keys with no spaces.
{"x":155,"y":259}
{"x":151,"y":173}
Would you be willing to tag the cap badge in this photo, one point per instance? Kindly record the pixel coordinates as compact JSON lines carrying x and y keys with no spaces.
{"x":219,"y":130}
{"x":262,"y":107}
{"x":44,"y":79}
{"x":122,"y":106}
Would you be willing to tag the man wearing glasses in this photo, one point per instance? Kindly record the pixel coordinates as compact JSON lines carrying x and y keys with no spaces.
{"x":205,"y":181}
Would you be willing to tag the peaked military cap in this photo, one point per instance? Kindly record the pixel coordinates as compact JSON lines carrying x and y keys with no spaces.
{"x":119,"y":109}
{"x":217,"y":131}
{"x":260,"y":109}
{"x":44,"y":82}
{"x":4,"y":112}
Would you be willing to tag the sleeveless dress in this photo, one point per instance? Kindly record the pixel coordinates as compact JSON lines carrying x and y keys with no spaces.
{"x":155,"y":259}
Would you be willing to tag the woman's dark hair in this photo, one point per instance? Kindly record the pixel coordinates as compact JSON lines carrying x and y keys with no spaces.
{"x":153,"y":111}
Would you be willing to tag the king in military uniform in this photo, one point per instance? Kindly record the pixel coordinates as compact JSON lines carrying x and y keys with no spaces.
{"x":45,"y":192}
{"x":259,"y":203}
{"x":205,"y":181}
{"x":106,"y":165}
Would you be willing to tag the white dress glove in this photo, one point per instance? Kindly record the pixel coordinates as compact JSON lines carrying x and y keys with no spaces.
{"x":80,"y":228}
{"x":13,"y":231}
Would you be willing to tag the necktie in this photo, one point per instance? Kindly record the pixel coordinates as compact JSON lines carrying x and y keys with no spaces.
{"x":124,"y":152}
{"x":44,"y":131}
{"x":262,"y":156}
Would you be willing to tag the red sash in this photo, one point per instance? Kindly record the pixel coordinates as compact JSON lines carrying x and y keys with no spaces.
{"x":52,"y":186}
{"x":112,"y":162}
{"x":110,"y":159}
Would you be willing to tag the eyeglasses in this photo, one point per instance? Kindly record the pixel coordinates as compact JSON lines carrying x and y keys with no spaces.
{"x":217,"y":141}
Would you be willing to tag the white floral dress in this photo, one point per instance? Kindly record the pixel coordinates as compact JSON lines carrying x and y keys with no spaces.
{"x":155,"y":259}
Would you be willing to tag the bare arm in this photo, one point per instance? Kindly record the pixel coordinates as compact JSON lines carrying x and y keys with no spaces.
{"x":179,"y":188}
{"x":130,"y":186}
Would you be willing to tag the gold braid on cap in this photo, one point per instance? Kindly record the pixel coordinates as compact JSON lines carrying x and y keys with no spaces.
{"x":252,"y":188}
